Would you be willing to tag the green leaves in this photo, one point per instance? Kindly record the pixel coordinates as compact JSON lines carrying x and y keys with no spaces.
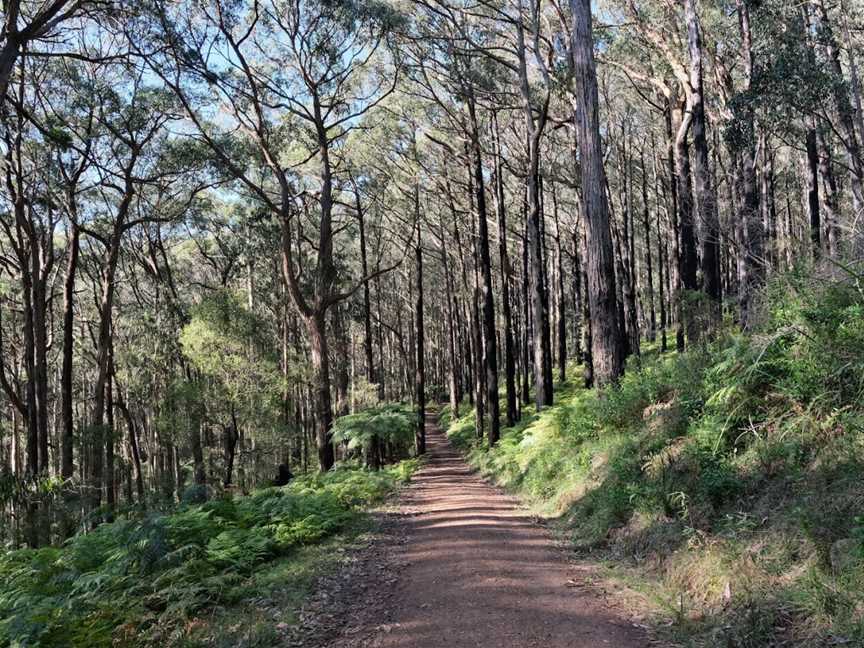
{"x":392,"y":423}
{"x":150,"y":575}
{"x":240,"y":549}
{"x":237,"y":376}
{"x":222,"y":335}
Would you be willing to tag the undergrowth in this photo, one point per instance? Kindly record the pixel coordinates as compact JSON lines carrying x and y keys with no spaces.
{"x":725,"y":482}
{"x":167,"y":578}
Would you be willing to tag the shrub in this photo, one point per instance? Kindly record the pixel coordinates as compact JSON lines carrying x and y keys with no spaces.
{"x":391,"y":426}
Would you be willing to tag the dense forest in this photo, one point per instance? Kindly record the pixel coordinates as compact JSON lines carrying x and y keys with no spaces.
{"x":256,"y":242}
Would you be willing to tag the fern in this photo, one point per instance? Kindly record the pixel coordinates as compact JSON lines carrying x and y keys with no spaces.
{"x":145,"y":577}
{"x":392,"y":424}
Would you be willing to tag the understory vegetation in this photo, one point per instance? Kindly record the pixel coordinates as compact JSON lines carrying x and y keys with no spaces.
{"x":724,"y":482}
{"x":226,"y":572}
{"x":378,"y":433}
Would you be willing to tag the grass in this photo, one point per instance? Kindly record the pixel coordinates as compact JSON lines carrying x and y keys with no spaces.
{"x":224,"y":573}
{"x":725,"y":483}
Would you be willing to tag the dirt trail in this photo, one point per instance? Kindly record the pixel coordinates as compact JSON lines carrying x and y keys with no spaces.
{"x":474,"y":571}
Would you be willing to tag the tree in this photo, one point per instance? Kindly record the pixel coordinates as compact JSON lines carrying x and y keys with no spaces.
{"x":207,"y":212}
{"x":323,"y":50}
{"x":607,"y":340}
{"x":241,"y":383}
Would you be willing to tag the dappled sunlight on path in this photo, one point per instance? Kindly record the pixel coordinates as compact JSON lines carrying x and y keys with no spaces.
{"x":476,"y":572}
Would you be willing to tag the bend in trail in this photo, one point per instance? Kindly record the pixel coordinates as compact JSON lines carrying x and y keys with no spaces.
{"x":476,"y":572}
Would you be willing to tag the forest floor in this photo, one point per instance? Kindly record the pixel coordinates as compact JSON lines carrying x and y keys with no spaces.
{"x":458,"y":563}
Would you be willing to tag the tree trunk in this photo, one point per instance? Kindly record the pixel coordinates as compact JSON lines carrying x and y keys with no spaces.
{"x":750,"y":261}
{"x":110,"y":476}
{"x":316,"y":326}
{"x":453,"y":375}
{"x":67,"y":469}
{"x":649,"y":275}
{"x":133,"y":445}
{"x":813,"y":193}
{"x":486,"y":288}
{"x":588,"y":341}
{"x":831,"y":200}
{"x":40,"y":364}
{"x":562,"y":310}
{"x":845,"y":110}
{"x":750,"y":243}
{"x":420,"y":371}
{"x":367,"y":307}
{"x":607,"y":342}
{"x":708,"y":217}
{"x":341,"y":353}
{"x":230,"y":436}
{"x":626,"y":264}
{"x":578,"y":350}
{"x":526,"y":318}
{"x":545,"y":292}
{"x":543,"y":394}
{"x":687,"y":261}
{"x":854,"y":77}
{"x":674,"y":273}
{"x":509,"y":359}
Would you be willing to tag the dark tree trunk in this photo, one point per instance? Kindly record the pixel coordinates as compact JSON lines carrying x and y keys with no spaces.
{"x":133,"y":446}
{"x":813,"y":192}
{"x":539,"y":314}
{"x":662,"y":251}
{"x":32,"y":425}
{"x":618,"y":253}
{"x":341,"y":351}
{"x":479,"y":373}
{"x":831,"y":199}
{"x":588,"y":341}
{"x":367,"y":305}
{"x":40,"y":365}
{"x":707,"y":200}
{"x":649,"y":274}
{"x":486,"y":288}
{"x":545,"y":292}
{"x":626,"y":261}
{"x":110,"y":476}
{"x":769,"y":212}
{"x":67,"y":469}
{"x":578,"y":350}
{"x":844,"y":107}
{"x":453,"y":373}
{"x":662,"y":256}
{"x":526,"y":319}
{"x":561,"y":332}
{"x":509,"y":359}
{"x":381,"y":374}
{"x":542,"y":352}
{"x":230,"y":436}
{"x":607,"y":341}
{"x":104,"y":339}
{"x":200,"y":472}
{"x":420,"y":365}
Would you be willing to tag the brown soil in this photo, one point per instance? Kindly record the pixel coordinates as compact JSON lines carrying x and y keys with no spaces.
{"x":472,"y":570}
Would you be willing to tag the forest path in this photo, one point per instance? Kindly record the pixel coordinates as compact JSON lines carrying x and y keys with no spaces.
{"x":473,"y":570}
